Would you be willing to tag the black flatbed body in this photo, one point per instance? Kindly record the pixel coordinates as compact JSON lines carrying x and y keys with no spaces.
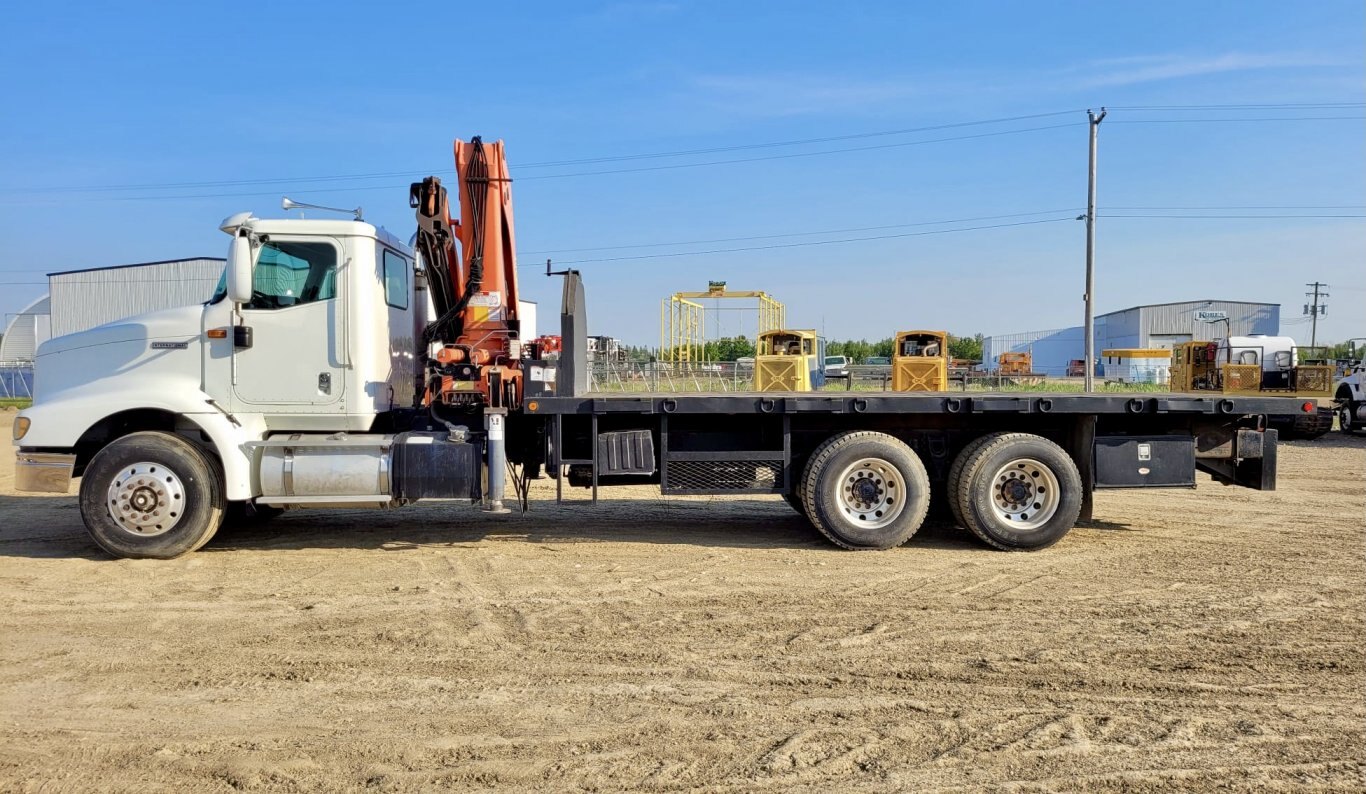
{"x":714,"y":442}
{"x":886,"y":402}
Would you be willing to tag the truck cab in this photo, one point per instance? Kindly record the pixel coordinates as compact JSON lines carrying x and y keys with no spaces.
{"x":311,"y":330}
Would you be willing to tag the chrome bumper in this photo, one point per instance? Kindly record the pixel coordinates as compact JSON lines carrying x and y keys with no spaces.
{"x":43,"y":472}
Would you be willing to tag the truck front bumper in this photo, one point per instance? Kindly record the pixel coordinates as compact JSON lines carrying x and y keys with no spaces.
{"x":43,"y":472}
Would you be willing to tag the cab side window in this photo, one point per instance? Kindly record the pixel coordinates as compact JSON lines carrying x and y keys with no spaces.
{"x":290,"y":274}
{"x":395,"y":280}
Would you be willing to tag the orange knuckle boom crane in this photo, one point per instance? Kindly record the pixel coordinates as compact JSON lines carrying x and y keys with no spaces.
{"x":471,"y":267}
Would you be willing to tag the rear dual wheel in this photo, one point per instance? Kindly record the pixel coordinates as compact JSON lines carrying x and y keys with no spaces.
{"x":1015,"y":491}
{"x":865,"y":490}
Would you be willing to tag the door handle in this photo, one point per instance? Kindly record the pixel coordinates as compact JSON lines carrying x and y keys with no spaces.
{"x":325,"y":382}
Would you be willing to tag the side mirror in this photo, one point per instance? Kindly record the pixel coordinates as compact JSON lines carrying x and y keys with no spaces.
{"x":239,"y":269}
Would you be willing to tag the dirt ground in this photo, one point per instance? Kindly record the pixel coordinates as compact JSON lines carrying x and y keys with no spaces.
{"x":1188,"y":639}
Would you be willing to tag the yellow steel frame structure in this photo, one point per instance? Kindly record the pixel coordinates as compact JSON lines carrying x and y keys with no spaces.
{"x":682,"y":320}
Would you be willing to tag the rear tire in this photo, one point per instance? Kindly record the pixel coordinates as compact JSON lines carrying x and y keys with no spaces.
{"x":956,"y":474}
{"x":865,"y":490}
{"x":167,"y":492}
{"x":1019,"y":492}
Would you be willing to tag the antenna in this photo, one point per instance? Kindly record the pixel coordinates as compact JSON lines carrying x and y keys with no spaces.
{"x":288,"y":203}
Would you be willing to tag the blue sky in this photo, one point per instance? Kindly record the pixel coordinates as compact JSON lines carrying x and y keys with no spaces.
{"x":105,"y":105}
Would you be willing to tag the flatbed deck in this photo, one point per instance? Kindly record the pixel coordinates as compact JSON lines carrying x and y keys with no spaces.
{"x":884,"y":402}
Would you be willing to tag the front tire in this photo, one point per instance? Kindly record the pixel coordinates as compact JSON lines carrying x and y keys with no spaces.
{"x":865,"y":490}
{"x":1347,"y":413}
{"x":152,"y":495}
{"x":1019,"y":492}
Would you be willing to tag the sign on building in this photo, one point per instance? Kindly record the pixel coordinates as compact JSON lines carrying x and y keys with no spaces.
{"x":1208,"y":316}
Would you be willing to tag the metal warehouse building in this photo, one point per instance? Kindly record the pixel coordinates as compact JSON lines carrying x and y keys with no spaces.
{"x":1156,"y":325}
{"x":83,"y":299}
{"x":25,"y":331}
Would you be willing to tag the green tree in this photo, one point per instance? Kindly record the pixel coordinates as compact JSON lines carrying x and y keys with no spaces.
{"x":729,"y":348}
{"x":966,"y":347}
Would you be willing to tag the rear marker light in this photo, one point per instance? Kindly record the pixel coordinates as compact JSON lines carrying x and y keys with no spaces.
{"x":1308,"y":408}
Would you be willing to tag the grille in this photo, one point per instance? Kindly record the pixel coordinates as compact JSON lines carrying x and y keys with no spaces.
{"x":728,"y":475}
{"x":779,"y":373}
{"x":911,"y":375}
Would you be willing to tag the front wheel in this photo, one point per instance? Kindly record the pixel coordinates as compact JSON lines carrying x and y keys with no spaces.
{"x":1019,"y":492}
{"x":1347,"y":415}
{"x":152,"y":495}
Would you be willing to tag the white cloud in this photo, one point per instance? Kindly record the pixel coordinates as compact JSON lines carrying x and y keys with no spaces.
{"x":1152,"y":68}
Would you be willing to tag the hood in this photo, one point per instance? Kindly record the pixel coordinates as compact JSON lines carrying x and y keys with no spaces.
{"x":181,"y":324}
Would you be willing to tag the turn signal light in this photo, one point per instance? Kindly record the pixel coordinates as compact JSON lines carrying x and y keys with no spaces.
{"x":21,"y":426}
{"x":217,"y":333}
{"x":1308,"y":407}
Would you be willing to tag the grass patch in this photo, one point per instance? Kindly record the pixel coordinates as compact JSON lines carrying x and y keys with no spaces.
{"x":19,"y":403}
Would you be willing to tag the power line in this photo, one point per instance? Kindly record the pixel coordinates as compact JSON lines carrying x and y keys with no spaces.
{"x":791,"y":234}
{"x":675,"y":254}
{"x":546,"y":164}
{"x":803,"y":142}
{"x":1235,"y":120}
{"x":605,"y":172}
{"x":1224,"y":217}
{"x":804,"y":244}
{"x":1251,"y":106}
{"x":641,"y":169}
{"x":718,"y":149}
{"x":825,"y":231}
{"x":1254,"y":207}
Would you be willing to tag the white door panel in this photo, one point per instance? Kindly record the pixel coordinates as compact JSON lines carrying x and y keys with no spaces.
{"x":297,"y":317}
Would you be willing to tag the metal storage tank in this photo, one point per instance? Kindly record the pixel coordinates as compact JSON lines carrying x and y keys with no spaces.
{"x":25,"y":331}
{"x":83,"y":299}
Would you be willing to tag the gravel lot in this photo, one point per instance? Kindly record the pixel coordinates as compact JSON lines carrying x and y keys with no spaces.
{"x":1201,"y":639}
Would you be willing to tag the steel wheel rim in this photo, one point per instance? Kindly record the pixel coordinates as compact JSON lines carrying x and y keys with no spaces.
{"x":1345,"y":417}
{"x":872,"y":493}
{"x":1025,"y":493}
{"x":146,"y":499}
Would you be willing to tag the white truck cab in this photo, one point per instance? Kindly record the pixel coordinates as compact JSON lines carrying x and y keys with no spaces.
{"x":1349,"y":393}
{"x":311,"y":330}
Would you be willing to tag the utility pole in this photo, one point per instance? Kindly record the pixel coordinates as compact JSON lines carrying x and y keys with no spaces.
{"x":1314,"y":311}
{"x":1090,"y":380}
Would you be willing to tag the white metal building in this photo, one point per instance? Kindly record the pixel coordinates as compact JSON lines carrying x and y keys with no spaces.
{"x":83,"y":299}
{"x":1156,"y":325}
{"x":25,"y":331}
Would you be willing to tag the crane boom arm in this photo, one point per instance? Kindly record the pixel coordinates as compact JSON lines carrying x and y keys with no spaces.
{"x":472,"y":274}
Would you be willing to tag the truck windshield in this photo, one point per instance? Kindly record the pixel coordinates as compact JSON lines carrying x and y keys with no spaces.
{"x":221,"y":291}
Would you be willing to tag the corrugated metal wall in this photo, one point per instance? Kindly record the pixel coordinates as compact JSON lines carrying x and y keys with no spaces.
{"x":1051,"y":350}
{"x":1139,"y":327}
{"x":1178,"y":319}
{"x":86,"y":298}
{"x":25,"y":331}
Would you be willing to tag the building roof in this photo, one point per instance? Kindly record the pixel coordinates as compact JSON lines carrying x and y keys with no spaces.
{"x":1187,"y":303}
{"x":137,"y":264}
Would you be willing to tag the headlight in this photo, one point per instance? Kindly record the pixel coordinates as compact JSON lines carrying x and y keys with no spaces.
{"x":21,"y":426}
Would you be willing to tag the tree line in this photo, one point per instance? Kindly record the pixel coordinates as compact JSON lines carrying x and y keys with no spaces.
{"x":732,"y":348}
